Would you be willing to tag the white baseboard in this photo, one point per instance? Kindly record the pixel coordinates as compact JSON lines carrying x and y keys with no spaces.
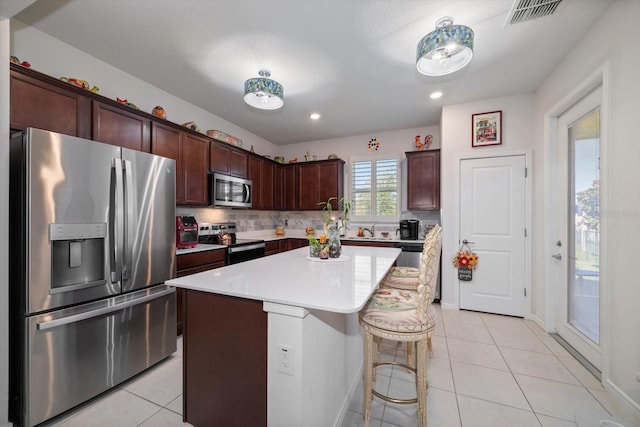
{"x":352,"y":391}
{"x":621,"y":396}
{"x":538,"y":321}
{"x":448,"y":306}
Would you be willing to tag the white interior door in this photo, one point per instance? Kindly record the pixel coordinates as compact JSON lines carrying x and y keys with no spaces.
{"x":493,"y":219}
{"x":577,"y":255}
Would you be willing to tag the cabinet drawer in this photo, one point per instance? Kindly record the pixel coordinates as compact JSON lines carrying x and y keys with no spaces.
{"x":198,"y":259}
{"x":272,"y":247}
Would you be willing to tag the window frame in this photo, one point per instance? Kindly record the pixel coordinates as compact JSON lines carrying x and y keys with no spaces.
{"x":373,"y":158}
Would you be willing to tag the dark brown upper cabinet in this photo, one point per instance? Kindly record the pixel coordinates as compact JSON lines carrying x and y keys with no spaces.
{"x":319,"y":181}
{"x":423,"y":180}
{"x":229,"y":160}
{"x":191,"y":154}
{"x":117,"y":126}
{"x":42,"y":102}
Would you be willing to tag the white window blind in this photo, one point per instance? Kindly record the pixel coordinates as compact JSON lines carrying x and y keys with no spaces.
{"x":374,"y":188}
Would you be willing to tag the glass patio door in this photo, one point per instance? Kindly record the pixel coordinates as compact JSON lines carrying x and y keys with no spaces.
{"x":579,"y":311}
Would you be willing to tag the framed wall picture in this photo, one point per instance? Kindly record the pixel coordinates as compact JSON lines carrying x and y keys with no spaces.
{"x":486,"y":129}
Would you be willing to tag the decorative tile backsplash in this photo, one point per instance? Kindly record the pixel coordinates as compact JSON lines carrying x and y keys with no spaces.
{"x":253,"y":220}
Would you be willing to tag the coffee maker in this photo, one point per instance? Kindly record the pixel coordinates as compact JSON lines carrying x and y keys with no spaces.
{"x":409,"y":229}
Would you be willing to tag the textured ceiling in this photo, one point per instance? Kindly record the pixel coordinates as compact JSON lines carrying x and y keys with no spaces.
{"x":353,"y":61}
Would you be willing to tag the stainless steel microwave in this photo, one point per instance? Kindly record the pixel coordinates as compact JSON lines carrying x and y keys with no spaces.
{"x":230,"y":191}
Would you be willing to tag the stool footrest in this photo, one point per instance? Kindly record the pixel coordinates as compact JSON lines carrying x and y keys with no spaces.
{"x":393,"y":399}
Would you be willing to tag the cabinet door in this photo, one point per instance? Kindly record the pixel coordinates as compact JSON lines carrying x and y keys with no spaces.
{"x":116,"y":126}
{"x":219,"y":160}
{"x":228,"y":160}
{"x":45,"y":106}
{"x":238,"y":163}
{"x":193,"y":263}
{"x":194,"y":155}
{"x":165,"y":141}
{"x":330,"y":181}
{"x":308,"y":185}
{"x":268,"y":181}
{"x":423,"y":180}
{"x":289,"y":187}
{"x":255,"y":175}
{"x":272,"y":247}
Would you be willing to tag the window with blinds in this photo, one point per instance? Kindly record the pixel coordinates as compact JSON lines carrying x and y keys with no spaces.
{"x":375,"y":188}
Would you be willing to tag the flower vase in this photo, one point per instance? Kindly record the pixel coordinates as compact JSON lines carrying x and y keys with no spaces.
{"x":335,"y":247}
{"x":314,"y":251}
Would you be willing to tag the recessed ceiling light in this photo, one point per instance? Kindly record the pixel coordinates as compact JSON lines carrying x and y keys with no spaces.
{"x":435,"y":95}
{"x":314,"y":116}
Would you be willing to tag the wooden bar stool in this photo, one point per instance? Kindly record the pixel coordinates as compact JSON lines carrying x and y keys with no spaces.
{"x":405,"y":316}
{"x":407,"y":278}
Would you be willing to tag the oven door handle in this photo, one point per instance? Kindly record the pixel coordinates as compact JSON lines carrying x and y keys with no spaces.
{"x":244,"y":248}
{"x":101,"y":311}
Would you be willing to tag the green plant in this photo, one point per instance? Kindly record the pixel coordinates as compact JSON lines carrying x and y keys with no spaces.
{"x":328,"y":216}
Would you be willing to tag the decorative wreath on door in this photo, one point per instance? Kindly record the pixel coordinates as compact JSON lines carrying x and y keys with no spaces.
{"x":465,"y":257}
{"x":465,"y":261}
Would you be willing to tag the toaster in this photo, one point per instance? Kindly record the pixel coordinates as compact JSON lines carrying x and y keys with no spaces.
{"x":186,"y":232}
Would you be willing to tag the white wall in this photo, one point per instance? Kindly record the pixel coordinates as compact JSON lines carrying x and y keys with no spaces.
{"x":57,"y":59}
{"x":614,"y":38}
{"x":391,"y":142}
{"x":517,"y":136}
{"x":395,"y":142}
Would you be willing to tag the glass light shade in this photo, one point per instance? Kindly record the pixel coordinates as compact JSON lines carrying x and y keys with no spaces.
{"x":263,"y":93}
{"x":445,"y":50}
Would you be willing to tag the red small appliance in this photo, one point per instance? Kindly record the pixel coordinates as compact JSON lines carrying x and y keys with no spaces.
{"x":186,"y":232}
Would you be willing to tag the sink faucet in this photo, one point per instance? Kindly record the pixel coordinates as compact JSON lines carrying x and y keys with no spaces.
{"x":372,"y":230}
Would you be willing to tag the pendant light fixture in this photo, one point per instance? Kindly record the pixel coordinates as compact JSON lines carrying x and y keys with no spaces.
{"x":445,"y":50}
{"x":263,"y":93}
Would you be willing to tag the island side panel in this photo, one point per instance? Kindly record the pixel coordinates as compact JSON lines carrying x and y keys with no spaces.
{"x":225,"y":360}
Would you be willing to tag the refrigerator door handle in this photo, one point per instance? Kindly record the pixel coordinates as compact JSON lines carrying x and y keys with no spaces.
{"x":116,"y":232}
{"x":129,"y":218}
{"x":101,"y":311}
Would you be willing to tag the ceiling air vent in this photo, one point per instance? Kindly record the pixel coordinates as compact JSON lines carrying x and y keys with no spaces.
{"x":528,"y":10}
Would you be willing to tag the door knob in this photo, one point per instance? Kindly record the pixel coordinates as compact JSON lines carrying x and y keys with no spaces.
{"x":557,"y":256}
{"x":466,"y":242}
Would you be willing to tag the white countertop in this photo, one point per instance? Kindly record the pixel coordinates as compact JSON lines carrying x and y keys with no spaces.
{"x":290,"y":278}
{"x":199,"y":248}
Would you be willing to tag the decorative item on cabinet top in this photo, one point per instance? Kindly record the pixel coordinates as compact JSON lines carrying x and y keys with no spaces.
{"x":83,"y":84}
{"x":420,"y":146}
{"x":221,"y":136}
{"x":15,"y":60}
{"x":159,"y":112}
{"x":127,"y":103}
{"x":191,"y":125}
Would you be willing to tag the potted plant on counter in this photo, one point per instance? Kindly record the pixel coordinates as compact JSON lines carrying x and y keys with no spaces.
{"x":334,"y":227}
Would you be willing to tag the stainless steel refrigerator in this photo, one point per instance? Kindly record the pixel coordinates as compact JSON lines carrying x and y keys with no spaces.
{"x":92,"y":237}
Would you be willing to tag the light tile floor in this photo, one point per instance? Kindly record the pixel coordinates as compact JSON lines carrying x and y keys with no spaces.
{"x":487,"y":370}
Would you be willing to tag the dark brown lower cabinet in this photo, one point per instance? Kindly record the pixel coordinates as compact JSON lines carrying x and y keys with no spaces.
{"x":224,"y":361}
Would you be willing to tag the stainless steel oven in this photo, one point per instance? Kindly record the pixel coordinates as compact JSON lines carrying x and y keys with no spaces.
{"x":238,"y":250}
{"x":244,"y":250}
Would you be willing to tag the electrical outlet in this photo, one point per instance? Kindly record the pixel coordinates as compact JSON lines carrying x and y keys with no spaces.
{"x":285,"y":359}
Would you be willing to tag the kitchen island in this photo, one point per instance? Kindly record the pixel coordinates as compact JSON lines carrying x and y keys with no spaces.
{"x":276,"y":341}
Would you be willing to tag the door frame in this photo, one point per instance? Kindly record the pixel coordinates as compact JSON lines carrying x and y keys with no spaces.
{"x":527,"y":153}
{"x":600,"y":77}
